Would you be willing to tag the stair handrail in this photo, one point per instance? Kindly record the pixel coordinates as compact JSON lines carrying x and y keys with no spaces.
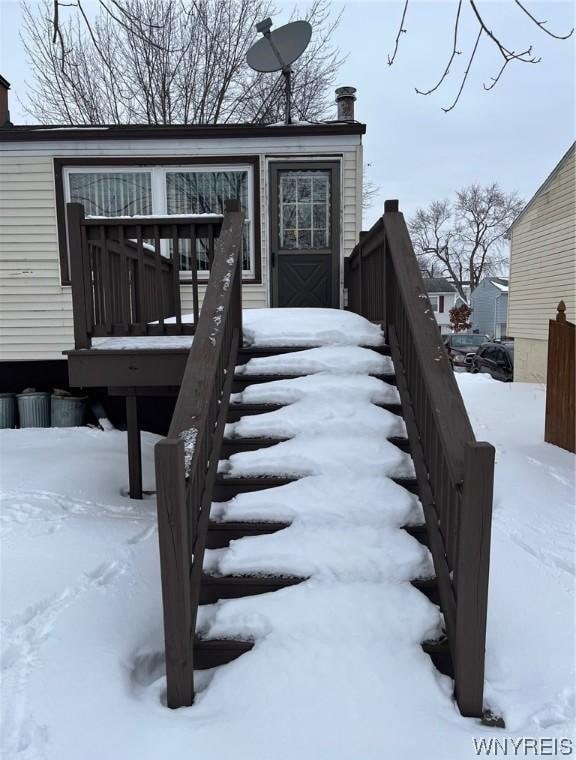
{"x":455,"y":472}
{"x":187,"y":459}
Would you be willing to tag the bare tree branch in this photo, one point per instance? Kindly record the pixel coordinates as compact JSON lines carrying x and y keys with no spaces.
{"x":542,"y":23}
{"x":466,"y":72}
{"x":508,"y":56}
{"x":455,"y":52}
{"x":401,"y":30}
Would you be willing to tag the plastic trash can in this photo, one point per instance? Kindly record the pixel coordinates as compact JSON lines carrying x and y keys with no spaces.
{"x":67,"y":411}
{"x":7,"y":410}
{"x":34,"y":409}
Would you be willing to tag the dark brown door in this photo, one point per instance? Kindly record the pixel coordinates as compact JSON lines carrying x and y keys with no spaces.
{"x":305,"y":233}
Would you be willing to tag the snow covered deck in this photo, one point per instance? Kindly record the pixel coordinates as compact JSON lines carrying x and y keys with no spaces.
{"x":337,"y":671}
{"x":158,"y":361}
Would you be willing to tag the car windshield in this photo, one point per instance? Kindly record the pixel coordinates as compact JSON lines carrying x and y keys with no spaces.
{"x":467,"y":341}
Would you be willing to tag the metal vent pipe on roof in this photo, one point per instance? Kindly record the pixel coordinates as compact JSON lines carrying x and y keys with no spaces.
{"x":345,"y":97}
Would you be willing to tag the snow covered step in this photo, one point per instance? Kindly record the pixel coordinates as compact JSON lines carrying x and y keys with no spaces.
{"x":254,"y":352}
{"x":232,"y":446}
{"x":428,"y":587}
{"x":335,"y":360}
{"x":227,"y":488}
{"x":236,"y":411}
{"x":419,"y":532}
{"x":242,"y":381}
{"x":215,"y":587}
{"x":235,"y":445}
{"x":209,"y":653}
{"x":221,"y":533}
{"x":439,"y":653}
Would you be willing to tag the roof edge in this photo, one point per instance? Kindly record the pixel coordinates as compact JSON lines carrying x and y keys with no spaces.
{"x":540,"y":189}
{"x":191,"y":131}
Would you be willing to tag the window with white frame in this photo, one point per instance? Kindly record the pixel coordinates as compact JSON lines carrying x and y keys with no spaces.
{"x":162,"y":190}
{"x":434,"y":302}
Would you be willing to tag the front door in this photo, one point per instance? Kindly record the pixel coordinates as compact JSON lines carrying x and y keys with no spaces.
{"x":305,"y":234}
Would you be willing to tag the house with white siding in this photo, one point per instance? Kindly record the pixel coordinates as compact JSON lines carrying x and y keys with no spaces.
{"x":300,"y":188}
{"x":542,"y":268}
{"x":489,"y":303}
{"x":443,"y":297}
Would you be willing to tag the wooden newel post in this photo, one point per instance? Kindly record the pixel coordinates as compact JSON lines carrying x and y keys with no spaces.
{"x":175,"y":563}
{"x":560,"y":421}
{"x":471,"y":576}
{"x":76,"y":252}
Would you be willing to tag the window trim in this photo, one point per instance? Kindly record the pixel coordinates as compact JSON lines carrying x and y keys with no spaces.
{"x":168,"y":163}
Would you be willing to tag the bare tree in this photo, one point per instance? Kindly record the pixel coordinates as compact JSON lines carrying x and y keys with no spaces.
{"x":506,"y":54}
{"x":369,"y":189}
{"x":167,"y":62}
{"x":463,"y":241}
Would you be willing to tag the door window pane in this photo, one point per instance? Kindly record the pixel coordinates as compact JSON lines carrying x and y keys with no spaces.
{"x":112,"y":193}
{"x":204,"y":192}
{"x":304,"y":209}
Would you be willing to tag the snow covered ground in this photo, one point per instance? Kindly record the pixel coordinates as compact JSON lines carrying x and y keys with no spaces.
{"x":337,"y":672}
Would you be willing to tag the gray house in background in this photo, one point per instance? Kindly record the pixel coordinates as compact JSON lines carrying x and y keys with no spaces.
{"x":489,"y":303}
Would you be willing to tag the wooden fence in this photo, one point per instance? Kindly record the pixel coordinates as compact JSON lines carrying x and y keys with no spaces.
{"x":125,"y":280}
{"x":455,"y":473}
{"x":560,"y":426}
{"x":187,"y":460}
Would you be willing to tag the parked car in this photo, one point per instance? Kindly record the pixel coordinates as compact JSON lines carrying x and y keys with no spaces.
{"x":462,"y":346}
{"x":495,"y":358}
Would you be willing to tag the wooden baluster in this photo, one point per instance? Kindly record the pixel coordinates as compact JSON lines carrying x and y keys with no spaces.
{"x":140,"y":300}
{"x":124,"y":284}
{"x":159,"y":281}
{"x":194,"y":270}
{"x":210,"y":245}
{"x":176,"y":275}
{"x":106,"y":279}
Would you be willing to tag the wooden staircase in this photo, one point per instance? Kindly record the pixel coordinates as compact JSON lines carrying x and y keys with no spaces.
{"x":210,"y":652}
{"x":454,"y":472}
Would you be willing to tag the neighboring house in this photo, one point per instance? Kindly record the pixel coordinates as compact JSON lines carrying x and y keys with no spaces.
{"x":542,"y":268}
{"x":442,"y":295}
{"x":300,"y":187}
{"x":489,"y":303}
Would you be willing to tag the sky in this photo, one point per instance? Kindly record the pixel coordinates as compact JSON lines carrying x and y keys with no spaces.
{"x":514,"y":135}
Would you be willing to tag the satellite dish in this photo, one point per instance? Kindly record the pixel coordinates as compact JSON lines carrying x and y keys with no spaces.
{"x":277,"y":50}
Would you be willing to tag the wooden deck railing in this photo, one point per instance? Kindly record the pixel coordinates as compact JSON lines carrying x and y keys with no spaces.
{"x":455,"y":473}
{"x":123,"y":284}
{"x":187,"y":460}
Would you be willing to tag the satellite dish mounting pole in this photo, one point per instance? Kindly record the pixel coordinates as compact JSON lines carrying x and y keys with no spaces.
{"x":264,"y":27}
{"x":288,"y":88}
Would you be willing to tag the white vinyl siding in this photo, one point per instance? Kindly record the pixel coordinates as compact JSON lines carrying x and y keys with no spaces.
{"x":543,"y":256}
{"x":36,"y":310}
